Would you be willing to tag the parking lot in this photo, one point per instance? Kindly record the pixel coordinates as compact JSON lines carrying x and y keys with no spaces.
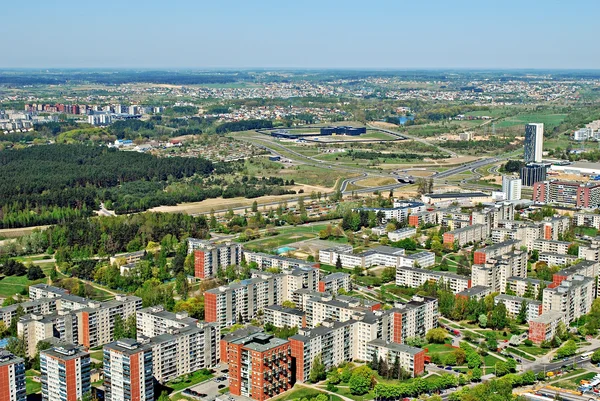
{"x":209,"y":390}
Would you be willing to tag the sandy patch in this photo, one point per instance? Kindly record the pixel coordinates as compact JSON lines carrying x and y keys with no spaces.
{"x":19,"y":232}
{"x":376,"y":181}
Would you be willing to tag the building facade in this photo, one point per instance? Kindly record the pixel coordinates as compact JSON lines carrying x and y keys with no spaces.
{"x":128,"y":371}
{"x":65,"y":373}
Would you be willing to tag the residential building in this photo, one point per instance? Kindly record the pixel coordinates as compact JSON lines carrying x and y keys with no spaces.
{"x":402,"y":233}
{"x":379,"y":256}
{"x":127,"y":258}
{"x":322,"y":306}
{"x":554,"y":227}
{"x":227,"y":304}
{"x":551,"y":246}
{"x":128,"y":371}
{"x":280,"y":316}
{"x":466,"y":235}
{"x":413,"y":277}
{"x":40,"y":306}
{"x":463,"y":198}
{"x":182,"y":351}
{"x":573,"y":297}
{"x":209,"y":256}
{"x":476,"y":292}
{"x":260,"y":365}
{"x":422,"y":259}
{"x":399,"y":212}
{"x":334,"y":282}
{"x":513,"y":306}
{"x":556,"y":259}
{"x":482,"y":255}
{"x":543,"y":328}
{"x":96,"y":323}
{"x":423,"y":218}
{"x":586,"y":268}
{"x":411,"y":359}
{"x":265,"y":261}
{"x":534,"y":142}
{"x":58,"y":327}
{"x":38,"y":291}
{"x":581,"y":219}
{"x":155,"y":320}
{"x":413,"y":319}
{"x":496,"y":272}
{"x":511,"y":187}
{"x":572,"y":193}
{"x":65,"y":373}
{"x":526,"y":286}
{"x":12,"y":377}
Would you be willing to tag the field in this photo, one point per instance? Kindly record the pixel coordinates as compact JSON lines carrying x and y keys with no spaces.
{"x":31,"y":386}
{"x":299,"y":392}
{"x":11,"y":285}
{"x":285,"y":237}
{"x":573,"y":380}
{"x":549,"y":120}
{"x":376,"y":181}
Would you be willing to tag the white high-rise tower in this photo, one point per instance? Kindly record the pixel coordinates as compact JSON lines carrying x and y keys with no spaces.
{"x":534,"y":142}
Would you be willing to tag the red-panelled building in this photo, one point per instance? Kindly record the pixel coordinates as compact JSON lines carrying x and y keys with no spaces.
{"x":260,"y":365}
{"x":128,"y":371}
{"x":65,"y":373}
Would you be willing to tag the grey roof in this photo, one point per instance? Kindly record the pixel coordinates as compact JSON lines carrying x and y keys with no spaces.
{"x":450,"y":195}
{"x":290,"y":311}
{"x":128,"y":346}
{"x":517,"y":299}
{"x":476,"y":290}
{"x":571,"y":270}
{"x":335,"y":276}
{"x":548,"y":317}
{"x":241,"y":333}
{"x":66,"y":352}
{"x":499,"y":245}
{"x":395,"y":346}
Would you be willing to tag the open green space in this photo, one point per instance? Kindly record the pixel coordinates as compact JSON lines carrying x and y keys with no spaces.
{"x":589,"y":231}
{"x":299,"y":392}
{"x":11,"y":285}
{"x":285,"y":237}
{"x":533,"y":350}
{"x":189,"y":380}
{"x":32,"y":386}
{"x":549,"y":120}
{"x":520,"y":353}
{"x":573,"y":380}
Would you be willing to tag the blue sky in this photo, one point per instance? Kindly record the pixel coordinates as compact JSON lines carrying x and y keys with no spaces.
{"x":301,"y":34}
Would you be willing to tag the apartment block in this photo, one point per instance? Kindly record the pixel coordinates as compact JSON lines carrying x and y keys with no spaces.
{"x":453,"y":218}
{"x":38,"y":291}
{"x":322,"y":306}
{"x":413,"y":278}
{"x":555,"y":259}
{"x":586,"y":195}
{"x":482,"y":255}
{"x":466,"y":235}
{"x":182,"y":351}
{"x":333,"y":282}
{"x":551,"y":246}
{"x":379,"y":256}
{"x":401,"y":234}
{"x":265,"y":261}
{"x":12,"y":377}
{"x":399,"y":212}
{"x":41,"y":306}
{"x":496,"y":272}
{"x":492,"y":215}
{"x":525,"y":232}
{"x":543,"y":328}
{"x":58,"y":327}
{"x":155,"y":320}
{"x":260,"y":365}
{"x":477,"y":292}
{"x":411,"y":359}
{"x":413,"y":319}
{"x":422,"y":259}
{"x":96,"y":324}
{"x":513,"y":306}
{"x":226,"y":304}
{"x":521,"y":285}
{"x":128,"y":374}
{"x":65,"y":373}
{"x":280,"y":316}
{"x":572,"y":297}
{"x":584,"y":268}
{"x":209,"y":257}
{"x":554,"y":227}
{"x":423,"y":218}
{"x":581,"y":219}
{"x":127,"y":258}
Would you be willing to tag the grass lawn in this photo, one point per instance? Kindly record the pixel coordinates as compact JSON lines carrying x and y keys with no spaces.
{"x":490,"y":360}
{"x":438,"y":349}
{"x":377,"y":135}
{"x":499,"y":334}
{"x":549,"y":120}
{"x":572,"y":381}
{"x":303,"y":392}
{"x":285,"y":237}
{"x":591,"y":231}
{"x":99,"y":355}
{"x":11,"y":285}
{"x":31,"y":386}
{"x":189,"y":380}
{"x":533,"y":350}
{"x":520,"y":353}
{"x":345,"y":391}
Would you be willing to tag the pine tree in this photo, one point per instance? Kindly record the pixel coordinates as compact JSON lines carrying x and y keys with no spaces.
{"x":338,"y":263}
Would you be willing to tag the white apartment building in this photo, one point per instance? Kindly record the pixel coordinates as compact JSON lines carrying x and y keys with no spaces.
{"x":209,"y":256}
{"x":551,"y":246}
{"x":265,"y":261}
{"x":513,"y":306}
{"x":422,"y":259}
{"x":280,"y":316}
{"x":40,"y":306}
{"x":521,"y":285}
{"x":581,"y":219}
{"x":155,"y":320}
{"x":65,"y":373}
{"x":511,"y":187}
{"x":470,"y":234}
{"x":555,"y":259}
{"x":410,"y":358}
{"x":61,"y":326}
{"x":38,"y":291}
{"x":402,"y":233}
{"x":496,"y":272}
{"x":379,"y":256}
{"x":413,"y":278}
{"x":334,"y":282}
{"x":572,"y":297}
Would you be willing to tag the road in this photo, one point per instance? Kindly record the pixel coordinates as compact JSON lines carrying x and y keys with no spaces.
{"x":414,"y":138}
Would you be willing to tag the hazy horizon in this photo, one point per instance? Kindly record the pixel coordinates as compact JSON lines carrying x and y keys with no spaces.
{"x":386,"y":35}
